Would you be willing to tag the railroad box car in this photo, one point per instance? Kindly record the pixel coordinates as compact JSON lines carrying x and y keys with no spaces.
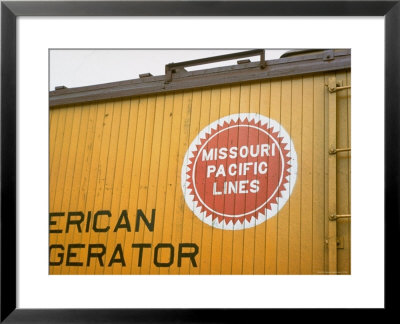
{"x":242,"y":169}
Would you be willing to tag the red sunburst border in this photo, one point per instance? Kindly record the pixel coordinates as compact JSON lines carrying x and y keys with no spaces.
{"x":273,"y":199}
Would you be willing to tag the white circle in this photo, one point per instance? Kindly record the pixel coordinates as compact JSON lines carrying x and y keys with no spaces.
{"x":274,"y":207}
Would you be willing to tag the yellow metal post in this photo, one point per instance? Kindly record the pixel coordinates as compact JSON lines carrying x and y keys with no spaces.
{"x":332,"y":241}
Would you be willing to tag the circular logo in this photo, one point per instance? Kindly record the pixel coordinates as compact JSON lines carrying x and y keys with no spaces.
{"x":239,"y":171}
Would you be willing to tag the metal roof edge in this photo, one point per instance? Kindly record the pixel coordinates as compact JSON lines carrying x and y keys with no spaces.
{"x":328,"y":60}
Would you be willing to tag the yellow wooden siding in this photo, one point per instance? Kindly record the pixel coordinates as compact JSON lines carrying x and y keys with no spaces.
{"x":343,"y":174}
{"x":127,"y":154}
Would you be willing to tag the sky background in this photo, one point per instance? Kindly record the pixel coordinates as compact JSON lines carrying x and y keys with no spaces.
{"x":76,"y":67}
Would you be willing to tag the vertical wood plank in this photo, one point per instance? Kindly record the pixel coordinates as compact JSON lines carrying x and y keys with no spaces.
{"x":154,"y":177}
{"x":227,"y":242}
{"x":249,"y":233}
{"x":349,"y":161}
{"x":105,"y":126}
{"x":318,"y":192}
{"x":326,"y":171}
{"x":56,"y":155}
{"x":68,"y":175}
{"x":179,"y":203}
{"x":208,"y":231}
{"x":77,"y":179}
{"x":260,"y":230}
{"x":198,"y":225}
{"x":55,"y":137}
{"x":238,"y":236}
{"x":188,"y":217}
{"x":295,"y":199}
{"x":284,"y":213}
{"x":272,"y":223}
{"x":306,"y":244}
{"x":168,"y":104}
{"x":342,"y":165}
{"x":143,"y":180}
{"x":91,"y":180}
{"x":332,"y":179}
{"x":129,"y":106}
{"x":84,"y":180}
{"x":53,"y":129}
{"x":61,"y":160}
{"x":164,"y":255}
{"x":133,"y":201}
{"x":109,"y":181}
{"x":120,"y":124}
{"x":218,"y":234}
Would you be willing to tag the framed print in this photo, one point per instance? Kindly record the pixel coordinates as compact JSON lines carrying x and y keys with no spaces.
{"x":243,"y":105}
{"x":258,"y":209}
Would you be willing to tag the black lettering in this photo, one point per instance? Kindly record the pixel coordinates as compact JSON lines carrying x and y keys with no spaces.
{"x":96,"y":216}
{"x":89,"y":215}
{"x":126,"y":224}
{"x":141,"y":215}
{"x":60,"y":255}
{"x":71,"y":254}
{"x":190,"y":255}
{"x":141,"y":246}
{"x":98,"y":255}
{"x":171,"y":255}
{"x":76,"y":222}
{"x":51,"y":222}
{"x":118,"y":250}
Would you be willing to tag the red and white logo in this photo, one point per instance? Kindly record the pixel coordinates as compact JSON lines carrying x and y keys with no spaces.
{"x":239,"y":171}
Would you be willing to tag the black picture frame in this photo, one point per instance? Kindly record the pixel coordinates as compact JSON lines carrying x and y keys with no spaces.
{"x":10,"y":10}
